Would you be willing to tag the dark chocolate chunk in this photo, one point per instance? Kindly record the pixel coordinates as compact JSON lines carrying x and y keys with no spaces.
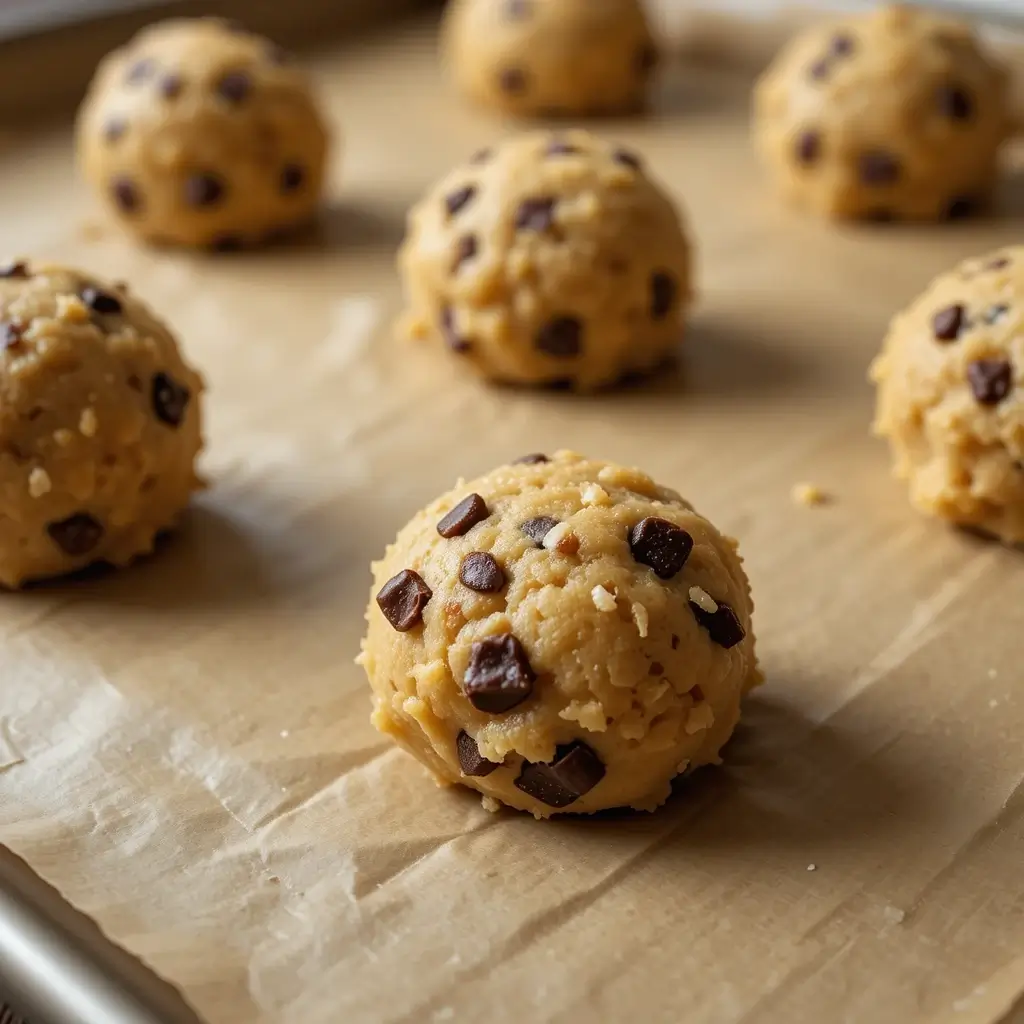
{"x":471,"y":761}
{"x":499,"y":675}
{"x":948,"y":323}
{"x":125,"y":194}
{"x":661,"y":545}
{"x":575,"y":771}
{"x":403,"y":598}
{"x":531,"y":460}
{"x":452,"y":338}
{"x":234,"y":87}
{"x":696,"y":693}
{"x":561,"y":337}
{"x":480,"y":572}
{"x":293,"y":177}
{"x":464,"y":517}
{"x":535,"y":214}
{"x":962,"y":207}
{"x":955,"y":102}
{"x":481,"y":156}
{"x":14,"y":269}
{"x":11,"y":332}
{"x":995,"y":313}
{"x":537,"y":529}
{"x":627,"y":158}
{"x":819,"y":69}
{"x":77,"y":535}
{"x":723,"y":626}
{"x":141,"y":70}
{"x":203,"y":189}
{"x":100,"y":301}
{"x":842,"y":44}
{"x":656,"y":669}
{"x":114,"y":128}
{"x":998,"y":263}
{"x":512,"y":80}
{"x":517,"y":10}
{"x":808,"y":148}
{"x":646,"y":58}
{"x":559,"y":147}
{"x":170,"y":399}
{"x":456,"y":200}
{"x":663,"y":294}
{"x":464,"y":250}
{"x":877,"y":167}
{"x":991,"y":380}
{"x":171,"y":86}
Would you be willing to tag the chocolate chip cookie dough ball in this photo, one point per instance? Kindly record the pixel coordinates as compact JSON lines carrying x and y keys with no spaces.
{"x":552,"y":258}
{"x":551,"y":57}
{"x":897,"y":114}
{"x":951,"y":395}
{"x":99,"y":424}
{"x":561,"y":635}
{"x":197,"y":133}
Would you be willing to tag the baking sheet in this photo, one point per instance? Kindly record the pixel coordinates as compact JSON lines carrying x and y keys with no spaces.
{"x":185,"y":749}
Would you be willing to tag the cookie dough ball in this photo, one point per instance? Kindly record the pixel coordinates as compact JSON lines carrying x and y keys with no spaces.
{"x":99,"y":424}
{"x":197,"y":133}
{"x":561,"y":635}
{"x":551,"y":259}
{"x":551,"y":57}
{"x":891,"y":115}
{"x":951,"y":396}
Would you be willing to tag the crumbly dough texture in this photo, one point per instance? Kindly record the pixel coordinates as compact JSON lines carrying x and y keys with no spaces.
{"x":896,"y":114}
{"x":99,"y":424}
{"x":950,"y":398}
{"x":198,"y":133}
{"x":552,"y":258}
{"x":551,"y":57}
{"x":621,"y":663}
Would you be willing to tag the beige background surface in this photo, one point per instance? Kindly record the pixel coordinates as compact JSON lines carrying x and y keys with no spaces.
{"x":185,"y":749}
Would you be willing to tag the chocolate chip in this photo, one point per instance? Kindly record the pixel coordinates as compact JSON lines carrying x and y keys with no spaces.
{"x":471,"y":761}
{"x":842,"y":45}
{"x":661,"y":545}
{"x":646,"y":58}
{"x":234,"y":87}
{"x":114,"y":128}
{"x":499,"y":675}
{"x":512,"y":80}
{"x":663,"y":294}
{"x":656,"y":669}
{"x":537,"y":529}
{"x":696,"y":693}
{"x":203,"y":189}
{"x":403,"y":598}
{"x":293,"y":177}
{"x":456,"y":200}
{"x":170,"y":399}
{"x":561,"y":337}
{"x":723,"y":626}
{"x":11,"y":332}
{"x":808,"y":147}
{"x":575,"y":771}
{"x":627,"y":159}
{"x":100,"y":301}
{"x":480,"y":572}
{"x":954,"y":102}
{"x":171,"y":86}
{"x":452,"y":338}
{"x":516,"y":10}
{"x":999,"y":263}
{"x":962,"y":207}
{"x":995,"y":313}
{"x":16,"y":269}
{"x":141,"y":70}
{"x":463,"y":517}
{"x":481,"y":156}
{"x":125,"y":194}
{"x":990,"y":380}
{"x":535,"y":214}
{"x":947,"y":323}
{"x":819,"y":69}
{"x":531,"y":460}
{"x":878,"y":167}
{"x":560,"y":148}
{"x":77,"y":535}
{"x":465,"y":250}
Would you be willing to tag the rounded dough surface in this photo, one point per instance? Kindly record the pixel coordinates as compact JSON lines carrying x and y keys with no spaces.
{"x":561,"y":635}
{"x":197,"y":133}
{"x":894,"y":114}
{"x":551,"y":57}
{"x":99,"y":424}
{"x":552,"y":258}
{"x":951,"y":395}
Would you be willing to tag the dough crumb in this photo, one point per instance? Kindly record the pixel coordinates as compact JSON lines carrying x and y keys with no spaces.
{"x":39,"y":482}
{"x":894,"y":914}
{"x":595,"y":494}
{"x":808,"y":495}
{"x":700,"y":718}
{"x":63,"y":437}
{"x":88,"y":423}
{"x":703,"y":600}
{"x":561,"y":539}
{"x":488,"y":803}
{"x":642,"y":619}
{"x":604,"y":601}
{"x":812,"y":867}
{"x":72,"y":309}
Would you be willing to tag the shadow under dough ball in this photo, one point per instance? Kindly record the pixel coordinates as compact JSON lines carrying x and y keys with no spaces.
{"x":198,"y":133}
{"x":895,"y":114}
{"x":100,"y":427}
{"x":551,"y":258}
{"x":950,"y":398}
{"x":551,"y":57}
{"x":562,"y":635}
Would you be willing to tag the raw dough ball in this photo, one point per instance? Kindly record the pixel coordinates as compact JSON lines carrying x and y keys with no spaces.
{"x":552,"y":258}
{"x":551,"y":57}
{"x":99,"y":424}
{"x":894,"y":114}
{"x":950,"y":396}
{"x":197,"y":133}
{"x":560,"y":635}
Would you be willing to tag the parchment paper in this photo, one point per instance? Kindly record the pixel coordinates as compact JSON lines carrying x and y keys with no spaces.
{"x":185,"y":749}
